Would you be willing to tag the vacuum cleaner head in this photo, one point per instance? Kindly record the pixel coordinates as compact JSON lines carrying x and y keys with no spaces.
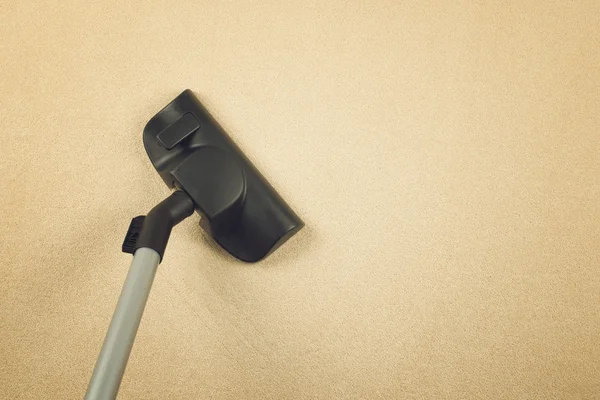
{"x":239,"y":209}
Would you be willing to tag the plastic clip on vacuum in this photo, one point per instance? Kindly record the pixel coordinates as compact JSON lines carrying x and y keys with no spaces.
{"x":238,"y":209}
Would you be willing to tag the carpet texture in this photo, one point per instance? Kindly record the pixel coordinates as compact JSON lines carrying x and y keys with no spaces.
{"x":445,"y":156}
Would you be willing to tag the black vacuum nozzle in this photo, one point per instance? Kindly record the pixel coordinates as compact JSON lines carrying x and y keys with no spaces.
{"x":239,"y":208}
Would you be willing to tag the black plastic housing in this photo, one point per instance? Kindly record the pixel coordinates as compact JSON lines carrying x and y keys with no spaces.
{"x":240,"y":210}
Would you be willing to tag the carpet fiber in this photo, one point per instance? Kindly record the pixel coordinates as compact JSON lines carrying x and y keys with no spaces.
{"x":445,"y":156}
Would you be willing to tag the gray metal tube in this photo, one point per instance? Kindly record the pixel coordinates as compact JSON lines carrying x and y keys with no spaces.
{"x":113,"y":357}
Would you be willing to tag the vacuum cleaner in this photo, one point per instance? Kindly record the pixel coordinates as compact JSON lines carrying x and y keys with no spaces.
{"x":208,"y":174}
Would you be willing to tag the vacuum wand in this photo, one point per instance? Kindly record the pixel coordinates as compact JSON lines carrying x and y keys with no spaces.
{"x":149,"y":247}
{"x":112,"y":361}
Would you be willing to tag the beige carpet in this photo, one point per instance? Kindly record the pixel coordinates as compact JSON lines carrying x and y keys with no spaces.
{"x":445,"y":156}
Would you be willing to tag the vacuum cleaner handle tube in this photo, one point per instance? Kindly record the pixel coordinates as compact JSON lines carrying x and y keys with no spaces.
{"x":151,"y":244}
{"x":112,"y":361}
